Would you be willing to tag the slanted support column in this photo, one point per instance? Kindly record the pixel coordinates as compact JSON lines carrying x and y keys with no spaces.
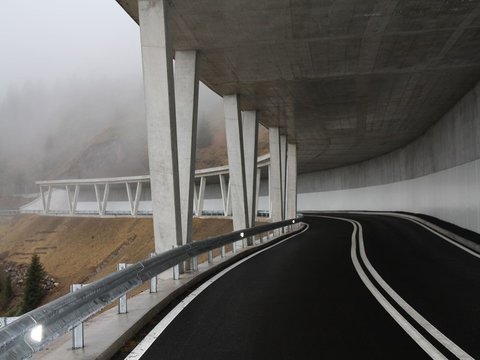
{"x":229,"y":198}
{"x":224,"y":192}
{"x":161,"y":122}
{"x":283,"y":169}
{"x":186,"y":102}
{"x":236,"y":161}
{"x":201,"y":195}
{"x":250,"y":137}
{"x":291,"y":203}
{"x":275,"y":175}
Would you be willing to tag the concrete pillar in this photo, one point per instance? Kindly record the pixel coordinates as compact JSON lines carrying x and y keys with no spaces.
{"x":291,"y":202}
{"x":224,"y":192}
{"x":229,"y":198}
{"x":201,"y":195}
{"x":161,"y":125}
{"x":257,"y":191}
{"x":250,"y":146}
{"x":195,"y":199}
{"x":186,"y":108}
{"x":275,"y":175}
{"x":283,"y":169}
{"x":236,"y":161}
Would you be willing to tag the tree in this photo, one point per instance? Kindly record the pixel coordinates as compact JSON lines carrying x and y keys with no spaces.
{"x":8,"y":288}
{"x":34,"y":291}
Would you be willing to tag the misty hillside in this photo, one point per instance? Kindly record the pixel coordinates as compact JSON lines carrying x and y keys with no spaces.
{"x":71,"y":130}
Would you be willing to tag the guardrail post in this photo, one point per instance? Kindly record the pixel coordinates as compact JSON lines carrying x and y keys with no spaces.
{"x":210,"y":257}
{"x":122,"y":300}
{"x":195,"y":263}
{"x":78,"y":339}
{"x":222,"y":251}
{"x":153,"y":280}
{"x":176,"y":268}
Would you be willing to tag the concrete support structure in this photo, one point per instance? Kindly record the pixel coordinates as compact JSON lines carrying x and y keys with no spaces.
{"x":257,"y":189}
{"x":250,"y":146}
{"x":275,"y":175}
{"x":291,"y":194}
{"x":201,"y":196}
{"x":283,"y":170}
{"x":236,"y":161}
{"x":161,"y":122}
{"x":186,"y":102}
{"x":224,"y":193}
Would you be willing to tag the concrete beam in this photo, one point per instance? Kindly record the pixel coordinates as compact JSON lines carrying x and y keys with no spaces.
{"x":291,"y":199}
{"x":250,"y":146}
{"x":275,"y":175}
{"x":186,"y":102}
{"x":161,"y":124}
{"x":236,"y":161}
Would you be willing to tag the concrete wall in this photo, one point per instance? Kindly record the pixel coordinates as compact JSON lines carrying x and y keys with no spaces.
{"x":437,"y":174}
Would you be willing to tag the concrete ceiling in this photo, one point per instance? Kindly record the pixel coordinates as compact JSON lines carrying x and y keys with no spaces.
{"x":347,"y":80}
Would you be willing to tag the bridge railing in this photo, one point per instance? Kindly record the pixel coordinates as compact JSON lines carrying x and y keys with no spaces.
{"x":32,"y":331}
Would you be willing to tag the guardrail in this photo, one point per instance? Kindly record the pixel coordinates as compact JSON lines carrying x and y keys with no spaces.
{"x":32,"y":331}
{"x":9,"y":212}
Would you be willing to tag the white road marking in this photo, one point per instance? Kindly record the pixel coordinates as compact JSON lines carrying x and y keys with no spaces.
{"x":143,"y":346}
{"x":409,"y":217}
{"x":404,"y":324}
{"x":432,"y":330}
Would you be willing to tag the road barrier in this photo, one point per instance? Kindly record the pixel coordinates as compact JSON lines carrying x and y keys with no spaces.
{"x":32,"y":331}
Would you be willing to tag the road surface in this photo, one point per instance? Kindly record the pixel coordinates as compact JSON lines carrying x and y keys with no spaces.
{"x":349,"y":287}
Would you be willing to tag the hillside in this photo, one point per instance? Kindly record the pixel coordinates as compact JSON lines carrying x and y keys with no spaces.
{"x":80,"y":250}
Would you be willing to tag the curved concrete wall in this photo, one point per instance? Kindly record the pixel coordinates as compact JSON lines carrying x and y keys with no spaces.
{"x":437,"y":174}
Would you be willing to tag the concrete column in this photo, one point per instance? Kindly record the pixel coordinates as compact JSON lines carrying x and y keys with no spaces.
{"x":275,"y":175}
{"x":269,"y":170}
{"x":186,"y":108}
{"x":283,"y":169}
{"x":161,"y":125}
{"x":138,"y":194}
{"x":224,"y":192}
{"x":257,"y":191}
{"x":236,"y":161}
{"x":201,"y":195}
{"x":195,"y":198}
{"x":291,"y":201}
{"x":250,"y":146}
{"x":229,"y":198}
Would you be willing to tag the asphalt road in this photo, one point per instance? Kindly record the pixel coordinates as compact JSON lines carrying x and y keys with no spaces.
{"x":408,"y":295}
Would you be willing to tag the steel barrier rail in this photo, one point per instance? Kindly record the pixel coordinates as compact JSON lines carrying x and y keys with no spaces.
{"x":32,"y":331}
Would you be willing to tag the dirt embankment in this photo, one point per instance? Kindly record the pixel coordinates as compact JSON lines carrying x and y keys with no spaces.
{"x":81,"y":250}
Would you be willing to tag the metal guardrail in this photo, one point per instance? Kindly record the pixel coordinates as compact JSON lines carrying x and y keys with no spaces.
{"x":32,"y":331}
{"x":9,"y":212}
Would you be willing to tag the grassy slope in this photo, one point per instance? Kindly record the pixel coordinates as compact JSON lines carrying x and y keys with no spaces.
{"x":80,"y":250}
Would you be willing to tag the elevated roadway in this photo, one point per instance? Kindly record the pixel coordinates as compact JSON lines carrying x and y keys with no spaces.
{"x":352,"y":286}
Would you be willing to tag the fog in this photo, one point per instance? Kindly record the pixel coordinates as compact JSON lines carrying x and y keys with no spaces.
{"x":71,"y":94}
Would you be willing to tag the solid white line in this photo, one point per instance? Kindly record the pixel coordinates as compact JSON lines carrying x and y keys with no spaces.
{"x":409,"y":217}
{"x":404,"y":324}
{"x":457,"y":244}
{"x":432,"y":330}
{"x":143,"y":346}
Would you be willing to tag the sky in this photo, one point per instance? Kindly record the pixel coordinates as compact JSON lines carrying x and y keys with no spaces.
{"x":56,"y":40}
{"x":70,"y":70}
